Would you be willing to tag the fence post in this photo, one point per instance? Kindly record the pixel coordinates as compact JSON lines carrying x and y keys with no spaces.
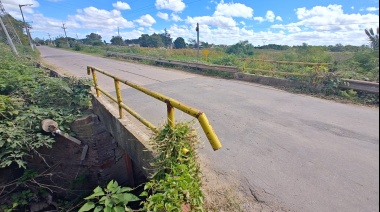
{"x":119,"y":99}
{"x":95,"y":81}
{"x":171,"y":116}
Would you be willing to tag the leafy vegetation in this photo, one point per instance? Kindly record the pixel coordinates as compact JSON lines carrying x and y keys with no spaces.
{"x":373,"y":38}
{"x":27,"y":96}
{"x":113,"y":198}
{"x":179,"y":43}
{"x":241,"y":49}
{"x":176,"y":184}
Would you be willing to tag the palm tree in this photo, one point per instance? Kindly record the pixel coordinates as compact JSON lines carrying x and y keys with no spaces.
{"x":373,"y":38}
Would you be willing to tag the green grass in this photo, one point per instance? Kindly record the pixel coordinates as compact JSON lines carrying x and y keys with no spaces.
{"x":344,"y":64}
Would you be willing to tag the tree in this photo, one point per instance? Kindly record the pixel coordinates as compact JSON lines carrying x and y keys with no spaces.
{"x":241,"y":48}
{"x":131,"y":41}
{"x":192,"y":43}
{"x":117,"y":40}
{"x":166,"y":39}
{"x":143,"y":40}
{"x":205,"y":44}
{"x":93,"y":39}
{"x":373,"y":38}
{"x":179,"y":43}
{"x":155,"y":41}
{"x":94,"y":36}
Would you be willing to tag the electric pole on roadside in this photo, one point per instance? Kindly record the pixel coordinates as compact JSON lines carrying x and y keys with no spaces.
{"x":26,"y":27}
{"x":49,"y":40}
{"x":67,"y":40}
{"x":197,"y":29}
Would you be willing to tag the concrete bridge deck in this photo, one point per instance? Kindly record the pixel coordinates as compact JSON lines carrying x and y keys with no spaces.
{"x":292,"y":151}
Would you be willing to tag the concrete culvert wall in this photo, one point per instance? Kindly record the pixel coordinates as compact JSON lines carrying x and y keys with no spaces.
{"x":105,"y":160}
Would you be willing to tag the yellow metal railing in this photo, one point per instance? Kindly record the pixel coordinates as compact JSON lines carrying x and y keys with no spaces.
{"x":171,"y":104}
{"x":273,"y":71}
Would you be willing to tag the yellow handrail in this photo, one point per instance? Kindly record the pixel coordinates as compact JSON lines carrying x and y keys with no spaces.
{"x":171,"y":104}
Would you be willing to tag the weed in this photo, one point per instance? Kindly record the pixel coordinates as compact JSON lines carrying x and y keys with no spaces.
{"x":112,"y":198}
{"x":176,"y":184}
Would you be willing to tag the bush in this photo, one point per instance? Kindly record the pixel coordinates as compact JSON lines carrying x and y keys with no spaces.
{"x":240,"y":49}
{"x":77,"y":47}
{"x":176,"y":183}
{"x":28,"y":96}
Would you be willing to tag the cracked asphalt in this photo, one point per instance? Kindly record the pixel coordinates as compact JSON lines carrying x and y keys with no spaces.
{"x":295,"y":151}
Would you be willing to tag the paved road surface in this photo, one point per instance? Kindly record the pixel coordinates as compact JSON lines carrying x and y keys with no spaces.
{"x":296,"y":151}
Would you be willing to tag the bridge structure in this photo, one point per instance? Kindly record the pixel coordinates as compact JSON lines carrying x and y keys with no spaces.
{"x":296,"y":152}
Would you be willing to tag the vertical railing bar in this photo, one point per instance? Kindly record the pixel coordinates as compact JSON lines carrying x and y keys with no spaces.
{"x":171,"y":116}
{"x":119,"y":98}
{"x":89,"y":69}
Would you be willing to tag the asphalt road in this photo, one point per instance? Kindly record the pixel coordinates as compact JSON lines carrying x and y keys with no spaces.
{"x":297,"y":151}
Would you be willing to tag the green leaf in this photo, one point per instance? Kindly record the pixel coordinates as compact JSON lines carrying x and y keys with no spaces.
{"x":129,"y":198}
{"x":125,"y":189}
{"x":112,"y":185}
{"x":87,"y":207}
{"x":98,"y":208}
{"x":107,"y":209}
{"x":108,"y":203}
{"x":98,"y":189}
{"x":119,"y":209}
{"x":144,"y":194}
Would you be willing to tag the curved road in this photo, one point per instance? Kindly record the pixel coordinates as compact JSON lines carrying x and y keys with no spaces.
{"x":297,"y":152}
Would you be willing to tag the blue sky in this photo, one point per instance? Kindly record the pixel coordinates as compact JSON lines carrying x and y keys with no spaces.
{"x":324,"y":22}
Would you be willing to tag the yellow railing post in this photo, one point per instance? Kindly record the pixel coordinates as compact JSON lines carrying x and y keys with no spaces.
{"x":211,"y":136}
{"x":171,"y":116}
{"x":89,"y":69}
{"x":119,"y":99}
{"x":171,"y":105}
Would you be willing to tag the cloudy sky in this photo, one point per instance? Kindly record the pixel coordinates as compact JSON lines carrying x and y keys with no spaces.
{"x":292,"y":22}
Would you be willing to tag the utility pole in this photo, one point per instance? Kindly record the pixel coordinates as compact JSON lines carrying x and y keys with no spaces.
{"x":49,"y":40}
{"x":26,"y":27}
{"x":8,"y":37}
{"x":67,"y":40}
{"x":197,"y":29}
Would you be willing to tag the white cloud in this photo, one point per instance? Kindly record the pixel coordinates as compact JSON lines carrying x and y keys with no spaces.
{"x":233,"y":10}
{"x":11,"y":6}
{"x":332,"y":18}
{"x":292,"y":27}
{"x":121,"y":6}
{"x":94,"y":18}
{"x":316,"y":26}
{"x":176,"y":17}
{"x":270,"y":16}
{"x":352,"y":7}
{"x":173,"y":5}
{"x":146,"y":20}
{"x":216,"y":21}
{"x":259,"y":19}
{"x":164,"y":16}
{"x":372,"y":9}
